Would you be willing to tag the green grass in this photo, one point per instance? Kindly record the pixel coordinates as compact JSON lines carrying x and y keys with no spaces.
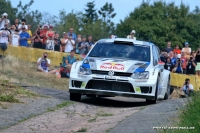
{"x":92,"y":120}
{"x":108,"y":130}
{"x":190,"y":116}
{"x":104,"y":114}
{"x":64,"y":104}
{"x":8,"y":98}
{"x":82,"y":130}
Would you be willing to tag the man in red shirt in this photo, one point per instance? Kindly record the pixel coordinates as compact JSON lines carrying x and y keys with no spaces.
{"x":43,"y":35}
{"x":177,"y":50}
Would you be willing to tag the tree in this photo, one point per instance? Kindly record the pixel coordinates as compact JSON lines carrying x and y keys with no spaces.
{"x":90,"y":15}
{"x":161,"y":22}
{"x":107,"y":12}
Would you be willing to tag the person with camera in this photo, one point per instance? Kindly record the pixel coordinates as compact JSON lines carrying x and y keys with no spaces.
{"x":168,"y":64}
{"x":187,"y":88}
{"x":83,"y":46}
{"x":37,"y":41}
{"x":24,"y":37}
{"x":69,"y":44}
{"x":50,"y":43}
{"x":197,"y":58}
{"x":23,"y":24}
{"x":3,"y":20}
{"x":5,"y":35}
{"x":43,"y":64}
{"x":190,"y":66}
{"x":178,"y":65}
{"x":57,"y":43}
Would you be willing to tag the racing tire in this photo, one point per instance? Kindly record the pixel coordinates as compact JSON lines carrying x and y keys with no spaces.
{"x":167,"y":94}
{"x":148,"y":101}
{"x":75,"y":96}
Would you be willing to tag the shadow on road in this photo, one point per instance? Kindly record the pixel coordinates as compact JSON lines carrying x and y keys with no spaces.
{"x":114,"y":102}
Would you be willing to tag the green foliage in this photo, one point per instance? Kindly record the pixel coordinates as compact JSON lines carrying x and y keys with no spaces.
{"x":90,"y":14}
{"x":162,"y":22}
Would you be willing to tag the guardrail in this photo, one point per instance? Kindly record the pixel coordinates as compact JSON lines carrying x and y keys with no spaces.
{"x":32,"y":55}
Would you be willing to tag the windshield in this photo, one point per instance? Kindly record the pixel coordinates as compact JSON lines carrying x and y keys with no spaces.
{"x":111,"y":50}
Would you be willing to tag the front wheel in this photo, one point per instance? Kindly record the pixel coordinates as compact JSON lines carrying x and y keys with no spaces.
{"x":75,"y":96}
{"x":154,"y":101}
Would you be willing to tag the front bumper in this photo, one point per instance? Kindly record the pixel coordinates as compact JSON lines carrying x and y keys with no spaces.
{"x":115,"y":86}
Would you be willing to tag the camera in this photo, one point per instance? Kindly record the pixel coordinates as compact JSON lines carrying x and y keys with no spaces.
{"x":5,"y":16}
{"x":186,"y":83}
{"x":45,"y":56}
{"x":191,"y":58}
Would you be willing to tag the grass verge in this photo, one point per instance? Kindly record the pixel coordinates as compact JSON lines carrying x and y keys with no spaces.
{"x":11,"y":93}
{"x":189,"y":116}
{"x":23,"y":72}
{"x":82,"y":130}
{"x":64,"y":104}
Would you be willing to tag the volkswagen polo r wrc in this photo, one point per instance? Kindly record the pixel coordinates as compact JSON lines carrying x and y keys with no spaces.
{"x":121,"y":67}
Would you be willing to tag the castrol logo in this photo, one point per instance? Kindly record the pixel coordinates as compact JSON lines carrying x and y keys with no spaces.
{"x":112,"y":66}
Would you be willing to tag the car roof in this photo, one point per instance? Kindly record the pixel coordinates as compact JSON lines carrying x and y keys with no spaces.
{"x":126,"y":40}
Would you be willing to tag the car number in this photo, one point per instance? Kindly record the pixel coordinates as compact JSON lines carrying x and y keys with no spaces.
{"x":110,"y":77}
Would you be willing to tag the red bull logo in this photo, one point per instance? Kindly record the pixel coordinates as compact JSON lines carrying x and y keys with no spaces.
{"x":112,"y":66}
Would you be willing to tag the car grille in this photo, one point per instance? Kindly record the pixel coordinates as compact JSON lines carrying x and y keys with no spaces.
{"x":110,"y":86}
{"x":115,"y":74}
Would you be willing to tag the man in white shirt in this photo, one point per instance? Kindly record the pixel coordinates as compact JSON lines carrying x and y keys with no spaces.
{"x":50,"y":43}
{"x":23,"y":24}
{"x":44,"y":64}
{"x":4,"y":36}
{"x":132,"y":35}
{"x":187,"y":88}
{"x":15,"y":38}
{"x":4,"y":20}
{"x":69,"y":44}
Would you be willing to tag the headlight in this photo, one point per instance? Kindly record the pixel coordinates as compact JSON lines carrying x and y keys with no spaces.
{"x":140,"y":75}
{"x":84,"y":71}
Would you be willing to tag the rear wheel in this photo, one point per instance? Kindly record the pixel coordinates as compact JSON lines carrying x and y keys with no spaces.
{"x":75,"y":96}
{"x":156,"y":93}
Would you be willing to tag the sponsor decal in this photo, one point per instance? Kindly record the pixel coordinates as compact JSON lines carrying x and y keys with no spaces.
{"x":112,"y":66}
{"x":137,"y":89}
{"x":83,"y":84}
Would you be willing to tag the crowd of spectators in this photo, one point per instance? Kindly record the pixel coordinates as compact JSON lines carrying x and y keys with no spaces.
{"x":183,"y":61}
{"x":44,"y":37}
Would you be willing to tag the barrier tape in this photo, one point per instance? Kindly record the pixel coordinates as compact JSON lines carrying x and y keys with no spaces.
{"x":32,"y":55}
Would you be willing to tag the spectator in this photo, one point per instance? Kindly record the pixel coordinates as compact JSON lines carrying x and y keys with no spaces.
{"x":12,"y":29}
{"x":24,"y":37}
{"x":44,"y":64}
{"x":168,"y":48}
{"x":187,"y":50}
{"x":193,"y":54}
{"x":83,"y":46}
{"x":50,"y":32}
{"x":15,"y":38}
{"x":132,"y":35}
{"x":70,"y":60}
{"x":30,"y":35}
{"x":71,"y":32}
{"x":4,"y":36}
{"x":187,"y":88}
{"x":197,"y":58}
{"x":16,"y":23}
{"x":171,"y":54}
{"x":168,"y":65}
{"x":78,"y":40}
{"x":43,"y":32}
{"x":37,"y":41}
{"x":69,"y":44}
{"x":23,"y":24}
{"x":90,"y":42}
{"x":4,"y":20}
{"x":190,"y":66}
{"x":178,"y":66}
{"x":164,"y":57}
{"x":177,"y":49}
{"x":63,"y":40}
{"x":173,"y":60}
{"x":184,"y":62}
{"x":57,"y":43}
{"x":50,"y":43}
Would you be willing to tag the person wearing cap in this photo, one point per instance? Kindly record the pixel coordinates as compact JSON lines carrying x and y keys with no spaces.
{"x":132,"y":35}
{"x":24,"y":37}
{"x":187,"y":50}
{"x":23,"y":24}
{"x":4,"y":19}
{"x":15,"y":38}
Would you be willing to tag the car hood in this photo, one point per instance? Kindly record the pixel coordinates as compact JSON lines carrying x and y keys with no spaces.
{"x":118,"y":65}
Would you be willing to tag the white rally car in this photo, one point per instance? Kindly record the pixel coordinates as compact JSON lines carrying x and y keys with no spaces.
{"x":120,"y":67}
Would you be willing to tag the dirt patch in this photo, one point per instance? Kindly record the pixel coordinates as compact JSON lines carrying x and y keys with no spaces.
{"x":76,"y":117}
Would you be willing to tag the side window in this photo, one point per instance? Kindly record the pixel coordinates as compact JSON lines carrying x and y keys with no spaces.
{"x":155,"y":56}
